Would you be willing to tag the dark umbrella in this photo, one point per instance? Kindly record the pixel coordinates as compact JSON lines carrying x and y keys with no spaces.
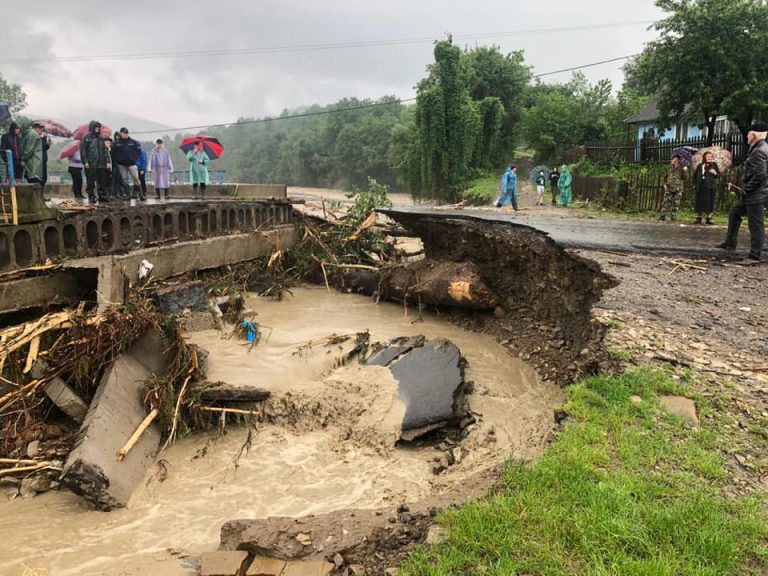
{"x":685,"y":153}
{"x":54,"y":128}
{"x":5,"y":112}
{"x":211,"y":145}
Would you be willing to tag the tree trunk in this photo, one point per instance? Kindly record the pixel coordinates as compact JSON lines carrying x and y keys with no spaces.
{"x":452,"y":284}
{"x":710,"y":129}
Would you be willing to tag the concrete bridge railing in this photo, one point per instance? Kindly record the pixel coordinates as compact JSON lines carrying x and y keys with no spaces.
{"x":121,"y":229}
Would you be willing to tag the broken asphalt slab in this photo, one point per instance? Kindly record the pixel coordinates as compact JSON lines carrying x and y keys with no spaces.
{"x":429,"y":378}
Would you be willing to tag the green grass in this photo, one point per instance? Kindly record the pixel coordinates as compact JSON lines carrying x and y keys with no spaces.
{"x":623,"y":490}
{"x":483,"y":190}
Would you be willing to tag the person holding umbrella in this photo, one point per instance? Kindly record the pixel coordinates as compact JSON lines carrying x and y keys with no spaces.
{"x":198,"y":169}
{"x":754,"y":194}
{"x":32,"y":154}
{"x":200,"y":150}
{"x":12,"y":141}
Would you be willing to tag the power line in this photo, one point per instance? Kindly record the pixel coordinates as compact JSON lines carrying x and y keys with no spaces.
{"x":585,"y":66}
{"x":360,"y":107}
{"x":310,"y":47}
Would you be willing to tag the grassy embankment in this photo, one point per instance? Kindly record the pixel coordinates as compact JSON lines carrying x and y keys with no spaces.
{"x":624,"y":489}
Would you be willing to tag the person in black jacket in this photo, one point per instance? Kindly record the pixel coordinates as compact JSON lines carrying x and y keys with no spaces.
{"x":125,"y":154}
{"x":754,"y":194}
{"x":705,"y":181}
{"x":554,"y":176}
{"x":12,"y":141}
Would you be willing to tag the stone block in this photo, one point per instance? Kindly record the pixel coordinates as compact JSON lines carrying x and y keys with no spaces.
{"x":92,"y":469}
{"x":263,"y":566}
{"x":681,"y":406}
{"x":176,"y":299}
{"x":66,"y":399}
{"x":227,"y":563}
{"x":309,"y":568}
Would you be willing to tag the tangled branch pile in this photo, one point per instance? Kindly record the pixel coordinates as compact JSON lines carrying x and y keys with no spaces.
{"x":74,"y":345}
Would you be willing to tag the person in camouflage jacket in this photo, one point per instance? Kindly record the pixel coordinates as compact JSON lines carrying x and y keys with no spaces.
{"x":674,"y":181}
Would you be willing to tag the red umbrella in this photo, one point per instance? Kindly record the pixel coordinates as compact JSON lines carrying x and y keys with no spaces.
{"x":69,"y":150}
{"x":54,"y":128}
{"x":81,"y":131}
{"x":211,"y":145}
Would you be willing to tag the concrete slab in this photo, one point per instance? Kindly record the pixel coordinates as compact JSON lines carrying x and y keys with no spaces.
{"x":263,"y":566}
{"x":222,"y":563}
{"x":429,"y":381}
{"x":91,"y":469}
{"x":66,"y":399}
{"x":42,"y":291}
{"x":116,"y":272}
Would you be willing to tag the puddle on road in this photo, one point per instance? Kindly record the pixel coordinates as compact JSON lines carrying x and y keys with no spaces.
{"x":292,"y":469}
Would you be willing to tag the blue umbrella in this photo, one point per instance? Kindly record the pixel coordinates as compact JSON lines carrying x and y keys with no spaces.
{"x":5,"y":112}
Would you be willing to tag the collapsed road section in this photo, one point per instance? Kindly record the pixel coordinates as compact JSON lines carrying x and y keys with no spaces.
{"x":304,"y":430}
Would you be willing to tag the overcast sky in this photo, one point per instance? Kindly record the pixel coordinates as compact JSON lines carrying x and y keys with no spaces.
{"x":180,"y":92}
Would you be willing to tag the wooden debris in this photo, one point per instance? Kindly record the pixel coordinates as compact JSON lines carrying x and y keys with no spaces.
{"x":684,"y":265}
{"x":123,"y":452}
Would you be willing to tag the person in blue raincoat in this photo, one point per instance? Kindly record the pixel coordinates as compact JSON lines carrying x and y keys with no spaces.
{"x":508,"y":188}
{"x":564,"y":185}
{"x":198,"y":170}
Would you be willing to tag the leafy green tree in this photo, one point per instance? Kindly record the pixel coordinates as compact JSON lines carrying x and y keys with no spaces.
{"x":709,"y":60}
{"x":492,"y":74}
{"x":562,"y":116}
{"x":13,"y":94}
{"x":447,"y":124}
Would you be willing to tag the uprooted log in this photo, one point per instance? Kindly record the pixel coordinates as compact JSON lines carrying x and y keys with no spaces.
{"x":429,"y":282}
{"x":221,"y":392}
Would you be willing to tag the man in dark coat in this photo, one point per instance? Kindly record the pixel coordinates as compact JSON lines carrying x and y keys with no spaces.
{"x":126,"y":152}
{"x":97,"y":163}
{"x":754,"y":194}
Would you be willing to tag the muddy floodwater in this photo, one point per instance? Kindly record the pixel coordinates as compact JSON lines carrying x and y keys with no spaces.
{"x":340,"y":454}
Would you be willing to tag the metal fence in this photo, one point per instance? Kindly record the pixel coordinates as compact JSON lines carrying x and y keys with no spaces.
{"x":645,"y":192}
{"x":652,"y":151}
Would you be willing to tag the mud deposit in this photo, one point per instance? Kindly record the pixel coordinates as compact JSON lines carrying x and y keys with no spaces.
{"x":325,"y":442}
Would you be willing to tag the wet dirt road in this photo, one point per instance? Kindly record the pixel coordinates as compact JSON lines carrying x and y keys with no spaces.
{"x":623,"y":236}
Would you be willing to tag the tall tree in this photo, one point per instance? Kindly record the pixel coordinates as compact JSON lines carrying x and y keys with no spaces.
{"x":709,"y":59}
{"x":492,"y":74}
{"x":13,"y":94}
{"x":446,"y":127}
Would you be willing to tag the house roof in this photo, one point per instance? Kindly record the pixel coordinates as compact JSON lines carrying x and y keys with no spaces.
{"x":647,"y":114}
{"x":650,"y":113}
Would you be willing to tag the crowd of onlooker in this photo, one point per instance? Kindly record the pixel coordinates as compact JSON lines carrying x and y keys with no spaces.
{"x":112,"y":167}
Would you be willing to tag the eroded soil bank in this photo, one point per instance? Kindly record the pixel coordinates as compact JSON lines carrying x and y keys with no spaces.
{"x":327,"y":446}
{"x":545,"y":293}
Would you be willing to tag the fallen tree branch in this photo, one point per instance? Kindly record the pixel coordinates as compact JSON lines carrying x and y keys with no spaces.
{"x":128,"y":446}
{"x":226,"y":410}
{"x":23,"y":469}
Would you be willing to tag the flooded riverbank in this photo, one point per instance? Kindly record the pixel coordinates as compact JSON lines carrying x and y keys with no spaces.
{"x":343,"y":455}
